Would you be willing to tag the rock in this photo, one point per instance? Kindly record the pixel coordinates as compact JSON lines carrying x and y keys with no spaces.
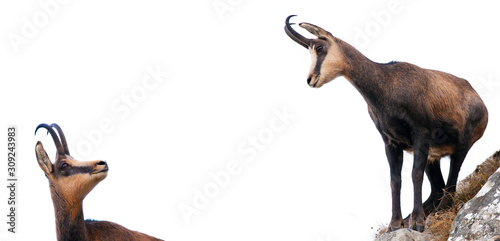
{"x":496,"y":238}
{"x":479,"y":215}
{"x":404,"y":234}
{"x":470,"y":186}
{"x":479,"y":218}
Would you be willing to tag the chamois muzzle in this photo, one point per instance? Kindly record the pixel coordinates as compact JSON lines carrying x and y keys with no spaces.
{"x":100,"y":166}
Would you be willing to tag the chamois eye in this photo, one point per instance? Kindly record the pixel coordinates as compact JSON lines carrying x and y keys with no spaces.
{"x":319,"y":49}
{"x":64,"y":166}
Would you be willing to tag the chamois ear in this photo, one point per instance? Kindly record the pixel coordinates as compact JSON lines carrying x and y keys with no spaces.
{"x":43,"y":159}
{"x":319,"y":32}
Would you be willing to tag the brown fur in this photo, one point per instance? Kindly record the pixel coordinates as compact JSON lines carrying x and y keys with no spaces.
{"x":69,"y":185}
{"x":104,"y":230}
{"x":429,"y":113}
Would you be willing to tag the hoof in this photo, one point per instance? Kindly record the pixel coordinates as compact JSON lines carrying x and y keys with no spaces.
{"x":391,"y":229}
{"x":418,"y":228}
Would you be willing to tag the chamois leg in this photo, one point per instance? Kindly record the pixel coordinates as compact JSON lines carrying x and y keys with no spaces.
{"x":451,"y":184}
{"x":421,"y":150}
{"x":433,"y":172}
{"x":395,"y":158}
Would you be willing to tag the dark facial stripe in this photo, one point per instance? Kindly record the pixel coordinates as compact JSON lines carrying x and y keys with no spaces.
{"x":77,"y":170}
{"x":81,"y":169}
{"x":321,"y":57}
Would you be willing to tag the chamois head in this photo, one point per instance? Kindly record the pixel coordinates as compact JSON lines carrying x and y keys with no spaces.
{"x":70,"y":179}
{"x":327,"y":59}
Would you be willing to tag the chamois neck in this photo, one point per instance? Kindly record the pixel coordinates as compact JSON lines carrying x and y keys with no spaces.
{"x":364,"y":74}
{"x":70,"y":223}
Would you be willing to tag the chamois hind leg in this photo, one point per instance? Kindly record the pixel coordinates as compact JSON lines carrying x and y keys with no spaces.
{"x":433,"y":172}
{"x":457,"y":159}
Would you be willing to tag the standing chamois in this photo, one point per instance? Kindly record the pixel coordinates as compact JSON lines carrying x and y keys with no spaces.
{"x":429,"y":113}
{"x":70,"y":181}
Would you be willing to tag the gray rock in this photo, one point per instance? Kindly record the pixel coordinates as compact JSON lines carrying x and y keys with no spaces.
{"x":479,"y":218}
{"x":404,"y":234}
{"x":496,"y":238}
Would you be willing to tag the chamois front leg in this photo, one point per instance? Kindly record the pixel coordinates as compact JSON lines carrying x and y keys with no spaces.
{"x":420,"y":153}
{"x":433,"y":172}
{"x":395,"y":158}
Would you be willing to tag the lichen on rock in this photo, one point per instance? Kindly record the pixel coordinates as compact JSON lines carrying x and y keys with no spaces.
{"x":479,"y":219}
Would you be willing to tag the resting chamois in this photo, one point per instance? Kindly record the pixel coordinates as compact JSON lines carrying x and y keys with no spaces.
{"x":429,"y":113}
{"x":70,"y":181}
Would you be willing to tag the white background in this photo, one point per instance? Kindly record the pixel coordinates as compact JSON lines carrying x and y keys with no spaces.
{"x":323,"y":176}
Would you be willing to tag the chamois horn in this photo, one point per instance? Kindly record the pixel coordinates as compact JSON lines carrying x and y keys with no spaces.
{"x":63,"y":138}
{"x":59,"y":147}
{"x":294,"y":35}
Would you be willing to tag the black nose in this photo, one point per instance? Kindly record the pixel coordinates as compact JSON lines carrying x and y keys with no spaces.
{"x":101,"y":163}
{"x":309,"y":80}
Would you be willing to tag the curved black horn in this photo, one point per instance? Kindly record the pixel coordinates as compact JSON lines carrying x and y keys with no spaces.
{"x":60,"y":150}
{"x":294,"y":35}
{"x":63,"y":138}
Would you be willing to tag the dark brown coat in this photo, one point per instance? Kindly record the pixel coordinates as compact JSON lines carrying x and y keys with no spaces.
{"x":429,"y":113}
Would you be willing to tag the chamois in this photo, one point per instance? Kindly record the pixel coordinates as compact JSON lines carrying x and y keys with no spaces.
{"x":429,"y":113}
{"x":70,"y":181}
